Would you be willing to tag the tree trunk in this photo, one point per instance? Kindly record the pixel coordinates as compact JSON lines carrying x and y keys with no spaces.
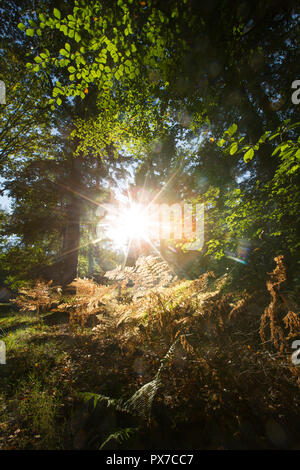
{"x":71,"y":232}
{"x":71,"y":242}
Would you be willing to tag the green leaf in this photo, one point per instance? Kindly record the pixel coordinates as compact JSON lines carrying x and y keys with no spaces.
{"x":249,"y":155}
{"x":77,"y":37}
{"x":232,"y":129}
{"x":58,"y":101}
{"x":274,"y":135}
{"x":30,"y":32}
{"x":233,"y":148}
{"x":64,"y":52}
{"x":21,"y":26}
{"x":64,"y":29}
{"x":276,"y":150}
{"x":56,"y":13}
{"x":264,"y":137}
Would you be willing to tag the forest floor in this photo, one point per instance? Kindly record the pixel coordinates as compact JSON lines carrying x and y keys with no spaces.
{"x":212,"y":383}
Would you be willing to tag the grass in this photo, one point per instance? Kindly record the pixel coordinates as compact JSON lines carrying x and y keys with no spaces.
{"x":32,"y":387}
{"x":46,"y":367}
{"x":38,"y":408}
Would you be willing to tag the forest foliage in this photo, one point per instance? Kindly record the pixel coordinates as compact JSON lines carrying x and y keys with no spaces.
{"x":105,"y":85}
{"x":174,"y":101}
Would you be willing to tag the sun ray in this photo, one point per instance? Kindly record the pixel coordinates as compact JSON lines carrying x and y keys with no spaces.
{"x":163,"y":188}
{"x":129,"y":227}
{"x":84,"y":245}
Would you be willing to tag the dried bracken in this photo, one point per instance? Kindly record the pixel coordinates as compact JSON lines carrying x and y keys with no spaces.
{"x":188,"y":350}
{"x":37,"y":299}
{"x":149,"y":272}
{"x":88,"y":300}
{"x":292,"y":322}
{"x":273,"y":314}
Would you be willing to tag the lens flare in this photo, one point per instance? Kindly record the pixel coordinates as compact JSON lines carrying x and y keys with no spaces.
{"x":129,"y":224}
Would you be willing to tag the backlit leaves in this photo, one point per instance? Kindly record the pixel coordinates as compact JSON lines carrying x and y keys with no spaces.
{"x":56,"y":13}
{"x":30,"y":32}
{"x":249,"y":155}
{"x":106,"y":55}
{"x":233,"y":148}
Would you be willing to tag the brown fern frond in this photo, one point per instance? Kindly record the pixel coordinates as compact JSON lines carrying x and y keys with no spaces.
{"x":36,"y":299}
{"x":292,"y":322}
{"x":273,"y":314}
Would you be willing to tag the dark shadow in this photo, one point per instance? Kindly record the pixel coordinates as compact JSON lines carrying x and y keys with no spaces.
{"x":56,"y":318}
{"x":65,"y":338}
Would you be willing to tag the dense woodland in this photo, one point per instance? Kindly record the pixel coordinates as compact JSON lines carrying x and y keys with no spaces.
{"x":128,"y":346}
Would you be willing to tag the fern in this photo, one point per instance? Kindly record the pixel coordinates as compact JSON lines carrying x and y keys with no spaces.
{"x":93,"y":399}
{"x":120,"y":436}
{"x":141,"y":401}
{"x":37,"y":299}
{"x":149,"y":272}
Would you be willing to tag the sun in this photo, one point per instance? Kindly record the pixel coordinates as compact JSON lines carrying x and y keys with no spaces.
{"x":129,"y":224}
{"x":135,"y":222}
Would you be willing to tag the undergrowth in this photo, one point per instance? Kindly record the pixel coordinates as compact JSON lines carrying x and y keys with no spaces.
{"x":193,"y":364}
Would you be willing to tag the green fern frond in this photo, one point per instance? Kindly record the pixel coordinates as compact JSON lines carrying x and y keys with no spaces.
{"x":120,"y":436}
